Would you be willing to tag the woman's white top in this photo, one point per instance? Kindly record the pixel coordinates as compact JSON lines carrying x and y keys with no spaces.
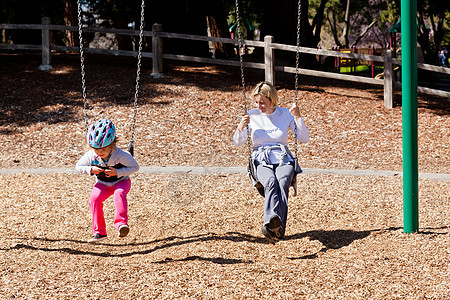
{"x":268,"y":130}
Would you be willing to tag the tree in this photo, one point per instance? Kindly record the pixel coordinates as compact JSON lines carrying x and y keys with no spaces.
{"x":358,"y":21}
{"x":280,"y":20}
{"x":431,"y":31}
{"x":218,"y":27}
{"x":431,"y":16}
{"x":115,"y":14}
{"x":71,"y":19}
{"x":346,"y":24}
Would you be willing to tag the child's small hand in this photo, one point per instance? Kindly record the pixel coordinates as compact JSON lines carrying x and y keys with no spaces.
{"x":96,"y":170}
{"x":110,"y":172}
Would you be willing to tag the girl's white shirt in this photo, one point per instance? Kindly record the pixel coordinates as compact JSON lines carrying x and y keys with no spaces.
{"x":118,"y":156}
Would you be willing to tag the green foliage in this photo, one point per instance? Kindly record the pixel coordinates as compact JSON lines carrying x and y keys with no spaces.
{"x":446,"y":39}
{"x":362,"y":15}
{"x":250,"y":12}
{"x":390,"y":15}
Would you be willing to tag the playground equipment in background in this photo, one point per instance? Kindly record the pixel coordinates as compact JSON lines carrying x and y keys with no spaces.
{"x":347,"y":65}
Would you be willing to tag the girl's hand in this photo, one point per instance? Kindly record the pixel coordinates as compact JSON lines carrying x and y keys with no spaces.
{"x":295,"y":111}
{"x":96,"y":170}
{"x":110,"y":172}
{"x":244,"y":122}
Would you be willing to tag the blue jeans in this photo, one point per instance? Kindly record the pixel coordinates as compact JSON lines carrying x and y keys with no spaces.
{"x":443,"y":58}
{"x":276,"y":181}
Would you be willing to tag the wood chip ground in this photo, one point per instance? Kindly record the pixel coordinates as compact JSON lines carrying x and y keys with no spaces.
{"x":198,"y":236}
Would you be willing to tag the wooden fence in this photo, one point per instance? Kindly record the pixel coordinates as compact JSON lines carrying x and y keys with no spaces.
{"x":268,"y":65}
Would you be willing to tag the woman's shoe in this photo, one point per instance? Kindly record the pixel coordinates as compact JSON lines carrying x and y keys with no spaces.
{"x":273,"y":230}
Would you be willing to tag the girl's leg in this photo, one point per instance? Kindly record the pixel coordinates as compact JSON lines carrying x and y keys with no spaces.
{"x":284,"y":176}
{"x":121,"y":190}
{"x":99,"y":194}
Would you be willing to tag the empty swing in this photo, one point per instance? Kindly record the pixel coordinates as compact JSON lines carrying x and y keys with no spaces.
{"x":251,"y":167}
{"x":138,"y":74}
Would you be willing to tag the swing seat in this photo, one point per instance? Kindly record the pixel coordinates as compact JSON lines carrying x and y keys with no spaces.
{"x":102,"y":175}
{"x":251,"y":170}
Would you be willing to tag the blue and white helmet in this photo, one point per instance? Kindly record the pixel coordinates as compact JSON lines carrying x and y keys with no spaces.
{"x":101,"y":134}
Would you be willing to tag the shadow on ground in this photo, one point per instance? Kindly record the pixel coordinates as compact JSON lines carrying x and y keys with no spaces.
{"x":333,"y":239}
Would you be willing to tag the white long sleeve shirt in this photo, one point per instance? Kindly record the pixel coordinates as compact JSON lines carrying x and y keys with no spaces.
{"x":123,"y":161}
{"x":271,"y":130}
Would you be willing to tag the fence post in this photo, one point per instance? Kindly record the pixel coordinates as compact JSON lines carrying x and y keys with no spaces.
{"x":373,"y":63}
{"x":389,"y":91}
{"x":157,"y":52}
{"x":269,"y":59}
{"x":45,"y":66}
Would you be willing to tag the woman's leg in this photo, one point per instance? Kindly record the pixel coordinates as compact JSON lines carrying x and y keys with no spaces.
{"x":266,"y":175}
{"x":99,"y":194}
{"x":121,"y":190}
{"x":284,"y":176}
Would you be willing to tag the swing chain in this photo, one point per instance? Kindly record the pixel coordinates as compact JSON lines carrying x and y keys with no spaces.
{"x":83,"y":80}
{"x":138,"y":76}
{"x":241,"y":61}
{"x":296,"y":71}
{"x":298,"y":49}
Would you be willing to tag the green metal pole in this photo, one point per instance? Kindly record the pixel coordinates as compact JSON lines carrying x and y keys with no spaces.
{"x":409,"y":116}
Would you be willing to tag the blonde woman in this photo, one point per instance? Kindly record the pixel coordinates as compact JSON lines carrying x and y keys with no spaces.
{"x":268,"y":126}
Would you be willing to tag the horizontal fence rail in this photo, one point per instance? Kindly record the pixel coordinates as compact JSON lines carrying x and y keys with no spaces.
{"x":269,"y":65}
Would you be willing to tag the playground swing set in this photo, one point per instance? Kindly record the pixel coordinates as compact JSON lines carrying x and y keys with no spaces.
{"x":251,"y":166}
{"x":409,"y":112}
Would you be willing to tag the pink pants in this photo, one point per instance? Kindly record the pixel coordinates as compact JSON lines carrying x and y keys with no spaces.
{"x":102,"y":192}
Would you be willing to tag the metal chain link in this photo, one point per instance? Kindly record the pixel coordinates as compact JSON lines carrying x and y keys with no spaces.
{"x":83,"y":81}
{"x":296,"y":71}
{"x":241,"y":61}
{"x":138,"y":75}
{"x":138,"y":72}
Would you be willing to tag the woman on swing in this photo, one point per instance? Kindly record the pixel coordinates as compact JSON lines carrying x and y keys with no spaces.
{"x":268,"y":126}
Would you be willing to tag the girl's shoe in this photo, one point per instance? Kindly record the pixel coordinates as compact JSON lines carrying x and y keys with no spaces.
{"x":123,"y":230}
{"x":97,"y":238}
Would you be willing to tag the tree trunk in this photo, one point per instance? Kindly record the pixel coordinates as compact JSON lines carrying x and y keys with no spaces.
{"x":364,"y":33}
{"x":219,"y":29}
{"x":314,"y":30}
{"x":71,"y":19}
{"x":334,"y":30}
{"x":346,"y":25}
{"x":124,"y":41}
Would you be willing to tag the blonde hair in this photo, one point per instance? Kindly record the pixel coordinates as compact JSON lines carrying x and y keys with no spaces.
{"x":267,"y":90}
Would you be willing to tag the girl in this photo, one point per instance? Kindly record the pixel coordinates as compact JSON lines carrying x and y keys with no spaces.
{"x":268,"y":125}
{"x":112,"y":167}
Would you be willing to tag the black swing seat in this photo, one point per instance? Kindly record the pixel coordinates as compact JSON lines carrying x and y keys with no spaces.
{"x":251,"y":170}
{"x":102,"y":175}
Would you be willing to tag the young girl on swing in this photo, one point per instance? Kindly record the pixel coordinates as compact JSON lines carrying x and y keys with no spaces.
{"x":112,"y":167}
